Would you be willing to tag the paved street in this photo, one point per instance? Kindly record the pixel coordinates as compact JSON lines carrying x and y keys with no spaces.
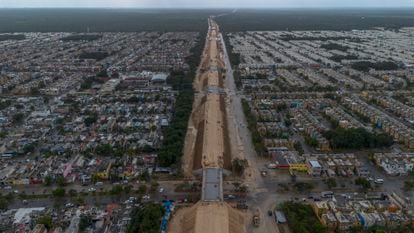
{"x":242,"y":147}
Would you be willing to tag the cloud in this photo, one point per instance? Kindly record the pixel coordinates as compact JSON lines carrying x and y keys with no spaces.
{"x":205,"y":3}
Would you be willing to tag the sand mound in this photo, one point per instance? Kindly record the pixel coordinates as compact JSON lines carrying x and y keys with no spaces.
{"x":208,"y":217}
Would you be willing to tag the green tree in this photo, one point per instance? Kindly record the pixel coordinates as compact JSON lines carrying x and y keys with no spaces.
{"x":89,"y":120}
{"x":154,"y":186}
{"x":59,"y":192}
{"x":364,"y":183}
{"x":127,"y":189}
{"x":301,"y":218}
{"x":172,"y":147}
{"x":46,"y":220}
{"x":331,"y":182}
{"x":145,"y":176}
{"x":408,"y":185}
{"x":61,"y":181}
{"x":116,"y":190}
{"x":303,"y":187}
{"x":28,"y":148}
{"x":239,"y":165}
{"x":142,"y":189}
{"x":3,"y":203}
{"x":80,"y":201}
{"x":104,"y":149}
{"x":17,"y":118}
{"x":146,"y":219}
{"x":357,"y":139}
{"x":47,"y":180}
{"x":3,"y":134}
{"x":102,"y":73}
{"x":311,"y":141}
{"x":73,"y":193}
{"x":84,"y":222}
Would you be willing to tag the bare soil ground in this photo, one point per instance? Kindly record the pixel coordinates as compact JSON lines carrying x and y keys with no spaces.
{"x":207,"y":218}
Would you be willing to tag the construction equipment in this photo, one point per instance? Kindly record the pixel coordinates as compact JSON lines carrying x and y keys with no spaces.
{"x":256,"y":218}
{"x":241,"y":204}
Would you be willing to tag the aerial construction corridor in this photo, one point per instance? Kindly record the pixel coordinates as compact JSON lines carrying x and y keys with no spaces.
{"x":210,"y":214}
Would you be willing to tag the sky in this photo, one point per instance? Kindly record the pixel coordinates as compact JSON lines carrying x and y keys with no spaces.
{"x":204,"y":3}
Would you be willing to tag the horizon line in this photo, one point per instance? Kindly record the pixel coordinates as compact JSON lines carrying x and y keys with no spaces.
{"x":216,"y":8}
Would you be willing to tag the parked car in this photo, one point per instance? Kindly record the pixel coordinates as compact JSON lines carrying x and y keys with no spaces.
{"x":131,"y":200}
{"x":280,"y":217}
{"x":230,"y":196}
{"x":69,"y":205}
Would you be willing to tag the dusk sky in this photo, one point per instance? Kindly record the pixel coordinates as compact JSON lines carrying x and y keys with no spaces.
{"x":205,"y":3}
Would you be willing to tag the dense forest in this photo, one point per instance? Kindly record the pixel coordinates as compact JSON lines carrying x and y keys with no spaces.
{"x":86,"y":37}
{"x":102,"y":20}
{"x":12,"y":37}
{"x":366,"y":65}
{"x":315,"y":19}
{"x":359,"y":138}
{"x":127,"y":20}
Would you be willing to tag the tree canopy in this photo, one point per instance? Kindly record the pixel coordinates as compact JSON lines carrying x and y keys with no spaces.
{"x":366,"y":65}
{"x":301,"y":218}
{"x":146,"y":219}
{"x":174,"y":135}
{"x":357,"y":139}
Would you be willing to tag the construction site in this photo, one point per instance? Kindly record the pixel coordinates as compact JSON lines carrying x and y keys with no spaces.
{"x":207,"y":126}
{"x":207,"y":150}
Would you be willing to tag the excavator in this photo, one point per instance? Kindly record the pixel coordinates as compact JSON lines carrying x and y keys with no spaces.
{"x":256,"y":218}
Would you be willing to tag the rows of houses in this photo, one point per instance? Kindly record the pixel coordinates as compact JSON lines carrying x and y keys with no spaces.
{"x":310,"y":125}
{"x":344,"y":119}
{"x":54,"y":63}
{"x":78,"y":169}
{"x":395,"y":163}
{"x":398,"y":108}
{"x":112,"y":217}
{"x":345,"y":165}
{"x":360,"y":211}
{"x":398,"y":130}
{"x":317,"y":165}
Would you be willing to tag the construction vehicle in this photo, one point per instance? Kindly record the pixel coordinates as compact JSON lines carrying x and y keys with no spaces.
{"x":241,"y":204}
{"x":256,"y":218}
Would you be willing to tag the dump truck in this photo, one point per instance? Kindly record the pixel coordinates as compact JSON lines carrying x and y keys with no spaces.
{"x":256,"y":218}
